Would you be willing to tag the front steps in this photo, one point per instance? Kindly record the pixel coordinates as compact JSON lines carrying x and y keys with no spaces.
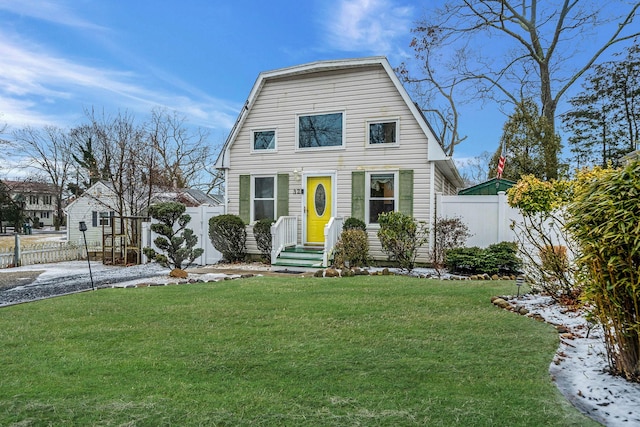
{"x":298,"y":256}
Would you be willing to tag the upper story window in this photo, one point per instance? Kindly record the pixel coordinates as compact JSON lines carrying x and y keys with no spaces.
{"x":33,"y":200}
{"x":321,"y":130}
{"x":383,"y":133}
{"x":264,"y":140}
{"x":381,"y":195}
{"x":264,"y":197}
{"x":46,"y":200}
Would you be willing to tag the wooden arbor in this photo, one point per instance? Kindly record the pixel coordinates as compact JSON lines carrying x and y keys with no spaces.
{"x":122,"y":240}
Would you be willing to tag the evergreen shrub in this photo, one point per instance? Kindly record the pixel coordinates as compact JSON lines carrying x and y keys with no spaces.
{"x":262,"y":234}
{"x":401,"y":236}
{"x":352,"y":223}
{"x":499,"y":258}
{"x":229,"y":236}
{"x":352,"y":249}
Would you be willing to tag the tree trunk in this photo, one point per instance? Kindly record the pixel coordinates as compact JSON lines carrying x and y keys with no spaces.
{"x":550,"y":150}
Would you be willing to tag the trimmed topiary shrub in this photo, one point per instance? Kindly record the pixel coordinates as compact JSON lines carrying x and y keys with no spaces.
{"x":352,"y":249}
{"x":352,"y":223}
{"x":262,"y":234}
{"x":229,"y":236}
{"x":401,"y":236}
{"x":175,"y":240}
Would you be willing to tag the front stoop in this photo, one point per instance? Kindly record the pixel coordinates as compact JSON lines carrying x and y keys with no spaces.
{"x":300,"y":256}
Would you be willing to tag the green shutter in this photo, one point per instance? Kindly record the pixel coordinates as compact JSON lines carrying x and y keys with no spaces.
{"x":283,"y":195}
{"x":244,"y":210}
{"x":406,"y":192}
{"x":357,"y":194}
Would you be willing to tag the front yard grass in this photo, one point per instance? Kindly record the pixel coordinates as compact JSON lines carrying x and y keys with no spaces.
{"x":374,"y":351}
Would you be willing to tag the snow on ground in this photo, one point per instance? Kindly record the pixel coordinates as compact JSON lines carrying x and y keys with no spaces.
{"x":578,"y":369}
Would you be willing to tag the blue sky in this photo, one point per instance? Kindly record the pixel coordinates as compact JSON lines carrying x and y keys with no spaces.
{"x":199,"y":57}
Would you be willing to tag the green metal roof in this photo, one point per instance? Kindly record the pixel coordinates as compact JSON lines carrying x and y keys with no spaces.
{"x":487,"y":188}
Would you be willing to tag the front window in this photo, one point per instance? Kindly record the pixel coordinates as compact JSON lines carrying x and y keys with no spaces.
{"x":382,"y":195}
{"x":46,"y":200}
{"x":264,"y":198}
{"x":383,"y":133}
{"x":320,"y":130}
{"x":264,"y":140}
{"x":33,"y":200}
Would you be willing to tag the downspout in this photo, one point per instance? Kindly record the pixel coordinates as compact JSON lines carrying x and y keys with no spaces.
{"x":432,"y":204}
{"x":226,"y":191}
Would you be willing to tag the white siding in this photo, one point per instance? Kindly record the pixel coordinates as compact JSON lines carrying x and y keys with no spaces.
{"x":362,"y":95}
{"x":81,"y":209}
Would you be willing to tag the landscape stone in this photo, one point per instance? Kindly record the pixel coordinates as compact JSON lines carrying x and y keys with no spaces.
{"x":331,"y":272}
{"x":178,"y":273}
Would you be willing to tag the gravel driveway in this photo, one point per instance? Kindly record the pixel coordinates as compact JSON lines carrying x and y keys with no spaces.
{"x":35,"y":282}
{"x":18,"y":278}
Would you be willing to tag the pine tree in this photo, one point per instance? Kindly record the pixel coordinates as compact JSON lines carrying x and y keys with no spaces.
{"x":526,"y":138}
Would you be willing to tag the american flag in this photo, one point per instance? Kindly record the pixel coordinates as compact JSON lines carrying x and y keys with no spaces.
{"x":501,"y":165}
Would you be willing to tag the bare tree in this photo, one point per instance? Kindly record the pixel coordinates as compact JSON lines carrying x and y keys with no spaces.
{"x":47,"y":151}
{"x":508,"y":50}
{"x":181,"y":153}
{"x":476,"y":169}
{"x":122,"y":153}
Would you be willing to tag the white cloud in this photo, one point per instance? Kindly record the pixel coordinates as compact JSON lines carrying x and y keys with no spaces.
{"x":47,"y":10}
{"x":368,"y":25}
{"x":34,"y":81}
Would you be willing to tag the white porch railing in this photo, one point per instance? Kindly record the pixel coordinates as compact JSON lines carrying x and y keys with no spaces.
{"x":331,"y":235}
{"x":283,"y":233}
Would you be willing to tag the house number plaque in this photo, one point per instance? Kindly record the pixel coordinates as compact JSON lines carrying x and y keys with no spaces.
{"x":298,"y":191}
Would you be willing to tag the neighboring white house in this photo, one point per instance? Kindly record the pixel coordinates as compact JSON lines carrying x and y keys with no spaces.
{"x":96,"y":208}
{"x":320,"y":142}
{"x":37,"y":198}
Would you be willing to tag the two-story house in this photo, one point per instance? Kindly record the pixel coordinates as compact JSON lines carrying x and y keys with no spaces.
{"x":320,"y":142}
{"x":38,"y":200}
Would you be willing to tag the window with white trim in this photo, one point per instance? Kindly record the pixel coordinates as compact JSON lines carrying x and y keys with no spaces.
{"x":263,"y":140}
{"x":263,"y":197}
{"x":381,"y":194}
{"x":101,"y":218}
{"x":382,"y":133}
{"x":320,"y":130}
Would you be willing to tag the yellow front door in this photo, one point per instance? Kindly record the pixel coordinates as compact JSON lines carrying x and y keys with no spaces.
{"x":318,"y":207}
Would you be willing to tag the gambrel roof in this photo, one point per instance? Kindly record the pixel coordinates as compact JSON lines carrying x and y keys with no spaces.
{"x":435,"y":151}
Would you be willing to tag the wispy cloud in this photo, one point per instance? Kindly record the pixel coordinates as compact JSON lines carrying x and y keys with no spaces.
{"x":37,"y":78}
{"x":47,"y":10}
{"x":368,"y":25}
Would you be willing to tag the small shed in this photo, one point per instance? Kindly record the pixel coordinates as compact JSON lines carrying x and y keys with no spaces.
{"x":487,"y":188}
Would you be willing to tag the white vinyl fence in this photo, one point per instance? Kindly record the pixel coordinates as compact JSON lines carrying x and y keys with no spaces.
{"x":46,"y":252}
{"x":489,"y":219}
{"x":200,"y":225}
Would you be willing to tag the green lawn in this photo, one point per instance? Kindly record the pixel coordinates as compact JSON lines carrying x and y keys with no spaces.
{"x":361,"y":351}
